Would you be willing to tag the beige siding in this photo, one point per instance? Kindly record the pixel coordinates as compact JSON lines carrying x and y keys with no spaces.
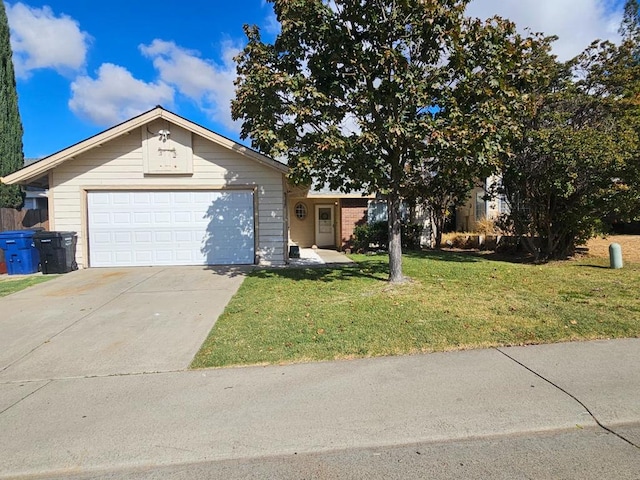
{"x":465,"y":215}
{"x":303,"y":232}
{"x":477,"y":209}
{"x":119,"y":164}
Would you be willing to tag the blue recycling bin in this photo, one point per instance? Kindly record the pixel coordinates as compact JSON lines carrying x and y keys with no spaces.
{"x":20,"y":253}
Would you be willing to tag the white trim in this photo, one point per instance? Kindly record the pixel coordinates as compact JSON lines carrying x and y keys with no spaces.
{"x":320,"y":241}
{"x":42,"y":167}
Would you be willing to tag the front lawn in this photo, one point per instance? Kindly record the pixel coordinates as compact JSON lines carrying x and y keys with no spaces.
{"x":454,"y":301}
{"x":9,"y":285}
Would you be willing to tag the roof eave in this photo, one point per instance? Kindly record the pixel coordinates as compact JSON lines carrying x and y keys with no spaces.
{"x":223,"y":141}
{"x":42,"y":167}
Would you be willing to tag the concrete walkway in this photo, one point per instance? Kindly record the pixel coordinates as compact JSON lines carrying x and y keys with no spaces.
{"x":585,"y":390}
{"x":313,"y":257}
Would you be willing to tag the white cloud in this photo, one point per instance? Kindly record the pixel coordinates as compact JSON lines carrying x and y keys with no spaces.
{"x":271,"y":24}
{"x":40,"y":39}
{"x":115,"y":95}
{"x":207,"y":83}
{"x":576,"y":22}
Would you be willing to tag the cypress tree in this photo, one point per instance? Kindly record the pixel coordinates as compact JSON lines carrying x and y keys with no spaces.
{"x":11,"y":155}
{"x":630,"y":27}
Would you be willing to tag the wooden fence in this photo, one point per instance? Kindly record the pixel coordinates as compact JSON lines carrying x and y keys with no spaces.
{"x":11,"y":219}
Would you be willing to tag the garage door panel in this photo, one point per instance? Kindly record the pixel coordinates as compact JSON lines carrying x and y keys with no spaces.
{"x":99,"y":199}
{"x":142,"y":257}
{"x":186,"y":236}
{"x":160,"y":237}
{"x":101,"y":218}
{"x":184,"y":255}
{"x":102,"y":237}
{"x":121,"y":198}
{"x":161,"y":197}
{"x":183,"y":197}
{"x":121,"y":257}
{"x":142,"y":218}
{"x":163,"y":257}
{"x":122,"y":238}
{"x":162,"y":218}
{"x":121,"y":218}
{"x":142,"y":198}
{"x":141,"y":237}
{"x":170,"y":228}
{"x":182,"y":217}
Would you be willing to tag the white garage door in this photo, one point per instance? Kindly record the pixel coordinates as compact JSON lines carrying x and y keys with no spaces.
{"x":144,"y":228}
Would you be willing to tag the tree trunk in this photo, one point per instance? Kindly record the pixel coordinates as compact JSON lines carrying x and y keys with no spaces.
{"x":437,"y":226}
{"x":395,"y":238}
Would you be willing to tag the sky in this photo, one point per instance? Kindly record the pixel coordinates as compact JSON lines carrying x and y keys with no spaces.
{"x":84,"y":66}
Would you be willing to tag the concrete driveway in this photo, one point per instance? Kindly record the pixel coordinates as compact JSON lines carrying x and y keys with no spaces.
{"x":107,"y":321}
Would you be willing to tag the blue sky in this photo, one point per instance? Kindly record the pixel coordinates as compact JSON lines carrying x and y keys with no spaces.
{"x":83,"y":66}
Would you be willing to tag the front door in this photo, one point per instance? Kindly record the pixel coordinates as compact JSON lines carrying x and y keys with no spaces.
{"x":325,"y":231}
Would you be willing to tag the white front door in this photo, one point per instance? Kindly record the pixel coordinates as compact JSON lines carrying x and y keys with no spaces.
{"x":325,"y":230}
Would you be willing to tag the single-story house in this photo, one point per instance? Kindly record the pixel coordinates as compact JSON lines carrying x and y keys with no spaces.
{"x":480,"y":206}
{"x":159,"y":189}
{"x":326,"y":218}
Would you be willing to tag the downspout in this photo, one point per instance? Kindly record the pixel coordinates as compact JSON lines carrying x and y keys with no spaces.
{"x":285,"y":233}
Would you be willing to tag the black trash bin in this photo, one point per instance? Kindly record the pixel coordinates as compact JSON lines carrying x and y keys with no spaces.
{"x":57,"y":251}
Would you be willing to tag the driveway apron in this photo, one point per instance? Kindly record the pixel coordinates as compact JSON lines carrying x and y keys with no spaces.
{"x":107,"y":321}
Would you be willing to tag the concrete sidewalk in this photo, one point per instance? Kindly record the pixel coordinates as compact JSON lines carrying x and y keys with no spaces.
{"x":70,"y":426}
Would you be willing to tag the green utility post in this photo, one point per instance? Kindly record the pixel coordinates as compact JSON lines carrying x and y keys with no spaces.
{"x":615,"y":255}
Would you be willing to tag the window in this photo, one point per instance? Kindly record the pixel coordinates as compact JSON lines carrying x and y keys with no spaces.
{"x":300,"y":211}
{"x":503,"y":204}
{"x":480,"y":206}
{"x":377,"y":211}
{"x":37,"y":203}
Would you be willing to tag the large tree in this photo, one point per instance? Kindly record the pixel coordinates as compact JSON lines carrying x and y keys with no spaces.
{"x":630,"y":26}
{"x":11,"y":156}
{"x":572,"y":165}
{"x":624,"y":80}
{"x":365,"y":95}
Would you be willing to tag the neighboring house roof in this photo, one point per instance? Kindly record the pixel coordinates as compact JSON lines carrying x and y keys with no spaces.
{"x":326,"y":192}
{"x":42,"y":167}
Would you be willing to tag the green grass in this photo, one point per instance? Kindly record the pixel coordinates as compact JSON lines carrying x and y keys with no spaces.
{"x":454,"y":301}
{"x":9,"y":285}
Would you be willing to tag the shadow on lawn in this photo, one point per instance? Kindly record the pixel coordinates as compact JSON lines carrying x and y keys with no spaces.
{"x":469,"y":256}
{"x":372,"y":269}
{"x":601,"y":267}
{"x":376,"y":267}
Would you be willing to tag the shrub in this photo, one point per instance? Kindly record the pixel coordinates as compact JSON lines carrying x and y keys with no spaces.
{"x":376,"y":235}
{"x":369,"y":235}
{"x":411,"y":233}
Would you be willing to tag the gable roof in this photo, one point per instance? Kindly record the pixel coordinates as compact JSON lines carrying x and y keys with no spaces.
{"x":42,"y":167}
